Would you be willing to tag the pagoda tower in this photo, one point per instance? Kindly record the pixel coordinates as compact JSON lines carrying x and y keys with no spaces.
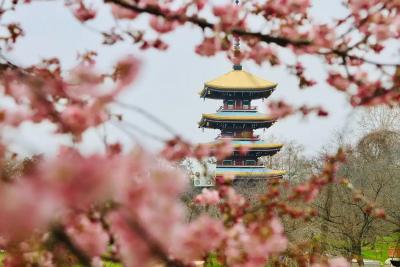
{"x":237,"y":120}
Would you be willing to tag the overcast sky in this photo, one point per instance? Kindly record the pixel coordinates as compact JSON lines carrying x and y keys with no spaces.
{"x":170,"y":81}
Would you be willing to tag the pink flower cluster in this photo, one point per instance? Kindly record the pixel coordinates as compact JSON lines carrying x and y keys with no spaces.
{"x":73,"y":104}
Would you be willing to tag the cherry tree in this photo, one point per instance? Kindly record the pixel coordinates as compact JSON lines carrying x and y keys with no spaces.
{"x":124,"y":206}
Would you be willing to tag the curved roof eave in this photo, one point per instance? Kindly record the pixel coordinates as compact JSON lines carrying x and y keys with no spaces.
{"x":236,"y":118}
{"x":240,"y":80}
{"x":252,"y":174}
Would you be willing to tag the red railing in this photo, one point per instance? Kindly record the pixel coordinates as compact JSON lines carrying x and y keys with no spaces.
{"x":226,"y":108}
{"x":237,"y":137}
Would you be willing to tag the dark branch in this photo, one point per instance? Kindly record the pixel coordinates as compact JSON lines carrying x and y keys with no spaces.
{"x":204,"y":24}
{"x":63,"y":238}
{"x":153,"y":245}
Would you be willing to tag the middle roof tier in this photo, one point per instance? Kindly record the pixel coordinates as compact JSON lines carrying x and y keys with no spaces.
{"x":236,"y":120}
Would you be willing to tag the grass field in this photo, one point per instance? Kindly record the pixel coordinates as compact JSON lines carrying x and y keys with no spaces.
{"x":379,"y":250}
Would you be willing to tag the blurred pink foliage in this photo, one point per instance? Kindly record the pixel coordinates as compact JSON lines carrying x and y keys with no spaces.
{"x":125,"y":206}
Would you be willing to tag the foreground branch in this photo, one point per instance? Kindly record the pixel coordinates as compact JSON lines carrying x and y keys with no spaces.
{"x":153,"y":245}
{"x":63,"y":238}
{"x":204,"y":24}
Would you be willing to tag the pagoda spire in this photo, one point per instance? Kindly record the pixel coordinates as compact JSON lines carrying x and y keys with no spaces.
{"x":236,"y":49}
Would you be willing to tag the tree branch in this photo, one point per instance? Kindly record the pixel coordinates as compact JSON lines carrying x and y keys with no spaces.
{"x":153,"y":245}
{"x":63,"y":238}
{"x":204,"y":24}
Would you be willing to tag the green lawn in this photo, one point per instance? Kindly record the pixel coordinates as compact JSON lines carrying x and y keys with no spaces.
{"x":111,"y":264}
{"x":379,"y":250}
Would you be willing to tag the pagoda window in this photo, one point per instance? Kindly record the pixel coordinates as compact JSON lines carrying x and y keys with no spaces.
{"x":230,"y":104}
{"x":251,"y":162}
{"x":247,"y":134}
{"x":238,"y":104}
{"x":246,"y":104}
{"x":239,"y":162}
{"x":227,"y":162}
{"x":228,"y":133}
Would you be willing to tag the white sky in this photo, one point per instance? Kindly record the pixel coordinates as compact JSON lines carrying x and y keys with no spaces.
{"x":170,"y":81}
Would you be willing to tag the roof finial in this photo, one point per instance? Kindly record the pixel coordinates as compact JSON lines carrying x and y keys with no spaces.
{"x":236,"y":49}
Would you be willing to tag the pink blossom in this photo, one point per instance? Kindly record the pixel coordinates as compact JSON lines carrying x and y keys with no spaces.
{"x":89,"y":236}
{"x":252,"y":245}
{"x":358,"y":5}
{"x":209,"y":47}
{"x":132,"y":249}
{"x":228,"y":15}
{"x":262,"y":54}
{"x":244,"y":149}
{"x":338,"y":81}
{"x":200,"y":4}
{"x":27,"y":197}
{"x":119,"y":12}
{"x":207,"y":197}
{"x":223,"y":149}
{"x":235,"y":201}
{"x":280,"y":109}
{"x":176,"y":149}
{"x":77,"y":119}
{"x":84,"y":81}
{"x":202,"y":150}
{"x":14,"y":117}
{"x":161,"y":25}
{"x":84,"y":13}
{"x":126,"y":71}
{"x":338,"y":262}
{"x":323,"y":36}
{"x":80,"y":181}
{"x":199,"y":238}
{"x":282,"y":8}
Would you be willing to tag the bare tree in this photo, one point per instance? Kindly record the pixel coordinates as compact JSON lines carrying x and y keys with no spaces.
{"x":372,"y":167}
{"x":379,"y":118}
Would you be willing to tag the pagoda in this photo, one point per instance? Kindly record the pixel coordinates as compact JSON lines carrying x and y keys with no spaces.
{"x":237,"y":120}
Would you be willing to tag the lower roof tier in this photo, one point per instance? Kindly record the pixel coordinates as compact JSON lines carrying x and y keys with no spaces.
{"x":257,"y":148}
{"x":236,"y":120}
{"x":248,"y":172}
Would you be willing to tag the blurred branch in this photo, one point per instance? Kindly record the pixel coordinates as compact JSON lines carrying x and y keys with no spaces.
{"x":153,"y":245}
{"x":63,"y":238}
{"x":149,"y":116}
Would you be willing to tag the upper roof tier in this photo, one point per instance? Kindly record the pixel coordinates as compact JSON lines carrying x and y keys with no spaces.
{"x":238,"y":84}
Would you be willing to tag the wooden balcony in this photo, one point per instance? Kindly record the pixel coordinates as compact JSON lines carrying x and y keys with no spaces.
{"x":238,"y":108}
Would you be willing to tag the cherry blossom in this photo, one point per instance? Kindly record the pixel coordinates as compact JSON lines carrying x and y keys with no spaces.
{"x":209,"y":46}
{"x":122,"y":13}
{"x":207,"y":197}
{"x":161,"y":25}
{"x":89,"y":236}
{"x":83,"y":13}
{"x":125,"y":203}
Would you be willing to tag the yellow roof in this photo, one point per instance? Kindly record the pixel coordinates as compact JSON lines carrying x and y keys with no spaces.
{"x":258,"y":145}
{"x":239,"y":79}
{"x":216,"y":116}
{"x":251,"y":174}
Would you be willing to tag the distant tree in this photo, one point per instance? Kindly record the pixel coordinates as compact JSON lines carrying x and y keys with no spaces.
{"x":372,"y":168}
